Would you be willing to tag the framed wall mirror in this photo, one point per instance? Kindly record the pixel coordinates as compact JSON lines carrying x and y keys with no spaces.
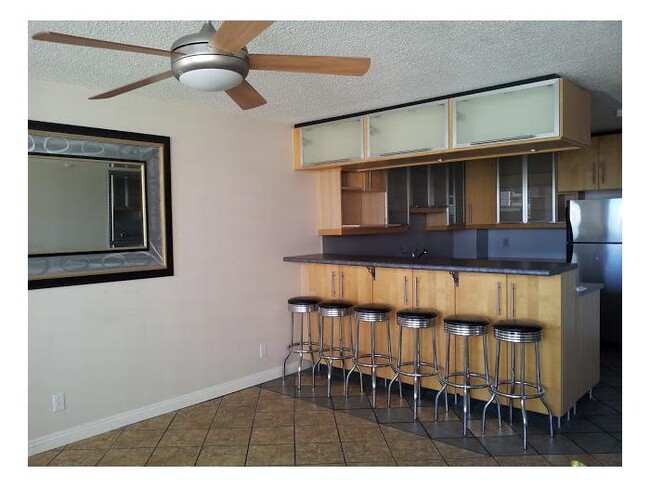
{"x":99,"y":205}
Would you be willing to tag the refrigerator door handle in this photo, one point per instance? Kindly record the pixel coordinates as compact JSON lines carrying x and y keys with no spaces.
{"x":569,"y":232}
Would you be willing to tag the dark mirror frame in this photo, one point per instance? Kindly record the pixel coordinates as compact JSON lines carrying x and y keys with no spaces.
{"x":156,"y":260}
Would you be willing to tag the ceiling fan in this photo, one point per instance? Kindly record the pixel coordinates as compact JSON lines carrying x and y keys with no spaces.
{"x":217,"y":60}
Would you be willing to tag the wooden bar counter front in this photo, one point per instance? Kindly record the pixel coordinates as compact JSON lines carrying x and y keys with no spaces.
{"x":496,"y":289}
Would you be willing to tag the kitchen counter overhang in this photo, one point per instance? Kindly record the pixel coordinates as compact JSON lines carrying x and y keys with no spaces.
{"x":536,"y":268}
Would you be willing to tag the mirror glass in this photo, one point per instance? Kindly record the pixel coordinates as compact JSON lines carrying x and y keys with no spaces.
{"x":79,"y":204}
{"x":99,"y":205}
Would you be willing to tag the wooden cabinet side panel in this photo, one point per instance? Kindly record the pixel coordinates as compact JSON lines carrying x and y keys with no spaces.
{"x":575,"y":118}
{"x":328,"y":198}
{"x":481,"y":192}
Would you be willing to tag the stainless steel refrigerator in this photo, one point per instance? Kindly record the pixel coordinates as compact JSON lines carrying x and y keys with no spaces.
{"x":595,"y":242}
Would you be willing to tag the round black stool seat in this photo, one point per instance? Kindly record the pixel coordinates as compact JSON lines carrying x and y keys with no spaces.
{"x":372,"y":312}
{"x":466,"y":325}
{"x":303,"y":304}
{"x":335,"y":308}
{"x":416,"y":318}
{"x":518,"y":330}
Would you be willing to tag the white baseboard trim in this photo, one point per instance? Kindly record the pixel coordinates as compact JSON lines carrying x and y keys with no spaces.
{"x":63,"y":437}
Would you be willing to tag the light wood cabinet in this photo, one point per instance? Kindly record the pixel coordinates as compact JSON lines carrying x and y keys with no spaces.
{"x":544,"y":115}
{"x":406,"y":288}
{"x":352,"y":203}
{"x":570,"y":340}
{"x":596,"y":167}
{"x":481,"y":192}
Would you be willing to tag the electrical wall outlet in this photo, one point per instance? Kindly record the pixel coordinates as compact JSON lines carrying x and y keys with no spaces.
{"x":58,"y":402}
{"x":505,"y":242}
{"x":262,"y":350}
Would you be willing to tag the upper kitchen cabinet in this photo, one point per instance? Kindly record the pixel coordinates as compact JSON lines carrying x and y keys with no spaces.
{"x":352,"y":203}
{"x":597,"y":167}
{"x":509,"y":114}
{"x":414,"y":129}
{"x":526,"y":189}
{"x":332,"y":142}
{"x":481,"y":193}
{"x":546,"y":114}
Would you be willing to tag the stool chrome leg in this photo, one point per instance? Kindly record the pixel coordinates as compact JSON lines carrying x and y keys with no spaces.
{"x":522,"y":391}
{"x":302,"y":331}
{"x":311,"y":350}
{"x":443,"y":383}
{"x":512,"y":378}
{"x":416,"y":371}
{"x":538,"y":370}
{"x":466,"y":406}
{"x":495,"y":386}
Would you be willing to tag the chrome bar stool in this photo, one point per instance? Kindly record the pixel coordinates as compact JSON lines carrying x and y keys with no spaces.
{"x":334,"y":349}
{"x":415,"y":319}
{"x":522,"y":332}
{"x":304,"y":306}
{"x":464,"y":326}
{"x":372,"y":313}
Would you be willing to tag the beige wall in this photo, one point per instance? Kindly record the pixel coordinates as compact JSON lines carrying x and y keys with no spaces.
{"x":117,"y":349}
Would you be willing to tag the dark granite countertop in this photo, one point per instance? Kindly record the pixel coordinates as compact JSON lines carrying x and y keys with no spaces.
{"x":538,"y":268}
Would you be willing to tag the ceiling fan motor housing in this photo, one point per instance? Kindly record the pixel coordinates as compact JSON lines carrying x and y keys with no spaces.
{"x":206,"y":68}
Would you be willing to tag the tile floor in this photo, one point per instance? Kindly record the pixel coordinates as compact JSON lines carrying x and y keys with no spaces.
{"x":274,"y":424}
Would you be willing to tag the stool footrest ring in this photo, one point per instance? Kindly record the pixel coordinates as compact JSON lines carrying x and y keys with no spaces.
{"x":517,"y":384}
{"x":445,"y":381}
{"x":299,"y":347}
{"x":375,"y":365}
{"x":400,"y":370}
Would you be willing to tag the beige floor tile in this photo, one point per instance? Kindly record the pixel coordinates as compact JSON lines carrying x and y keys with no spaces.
{"x":139,"y":438}
{"x":78,"y":457}
{"x":174,"y":456}
{"x":183,"y":437}
{"x":237,"y":419}
{"x":319,"y":453}
{"x":373,"y":463}
{"x":43,"y":458}
{"x":360,"y":432}
{"x":101,"y":441}
{"x":391,"y":434}
{"x":266,"y":395}
{"x":316,"y":433}
{"x":270,"y":455}
{"x":228,"y":437}
{"x":273,"y":419}
{"x":159,"y":422}
{"x":565,"y":459}
{"x":324,"y":417}
{"x":522,"y":461}
{"x":197,"y":421}
{"x":248,"y":396}
{"x":282,"y":405}
{"x":367,"y":452}
{"x":414,"y":449}
{"x":222,"y":456}
{"x":307,"y":406}
{"x":272,"y":435}
{"x":449,"y":451}
{"x":137,"y":456}
{"x":421,"y":462}
{"x":472,"y":461}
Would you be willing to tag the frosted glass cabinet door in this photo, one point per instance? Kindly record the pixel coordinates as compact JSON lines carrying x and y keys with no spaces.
{"x":509,"y":114}
{"x":418,"y":128}
{"x":332,"y":142}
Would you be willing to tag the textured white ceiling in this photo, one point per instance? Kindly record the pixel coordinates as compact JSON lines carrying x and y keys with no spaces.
{"x":410,"y":60}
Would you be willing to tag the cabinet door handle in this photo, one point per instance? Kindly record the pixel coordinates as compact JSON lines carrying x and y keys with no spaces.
{"x":415,"y":292}
{"x":593,"y":172}
{"x":498,"y":307}
{"x":512,"y":300}
{"x":370,"y":180}
{"x":602,"y":172}
{"x":406,"y":300}
{"x":502,"y":139}
{"x":469,"y":213}
{"x":332,"y":285}
{"x":341,"y":284}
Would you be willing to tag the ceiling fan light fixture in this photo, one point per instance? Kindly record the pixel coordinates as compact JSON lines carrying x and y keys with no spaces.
{"x":211,"y":79}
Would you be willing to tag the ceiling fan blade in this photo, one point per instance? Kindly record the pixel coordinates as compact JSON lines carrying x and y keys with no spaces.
{"x":332,"y":65}
{"x":232,"y":35}
{"x":246,"y":96}
{"x":133,"y":86}
{"x":87,"y":42}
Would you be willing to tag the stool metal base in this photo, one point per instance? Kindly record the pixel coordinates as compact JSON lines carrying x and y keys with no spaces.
{"x":329,"y":353}
{"x":301,"y":346}
{"x":520,"y":384}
